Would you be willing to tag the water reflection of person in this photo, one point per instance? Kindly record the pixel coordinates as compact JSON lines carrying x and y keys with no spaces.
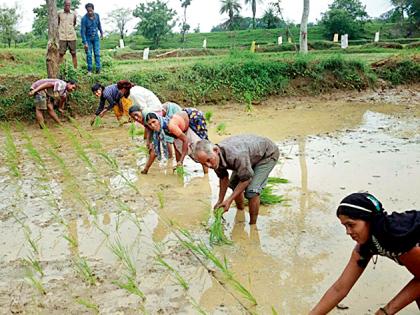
{"x":396,"y":236}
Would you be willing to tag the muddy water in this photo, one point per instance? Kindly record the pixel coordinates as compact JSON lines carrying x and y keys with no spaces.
{"x":329,"y":148}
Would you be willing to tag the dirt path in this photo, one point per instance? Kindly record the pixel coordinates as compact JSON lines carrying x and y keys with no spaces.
{"x":76,"y":212}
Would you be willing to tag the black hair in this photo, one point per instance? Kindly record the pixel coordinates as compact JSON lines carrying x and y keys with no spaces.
{"x":97,"y":86}
{"x":360,"y":206}
{"x":89,"y":5}
{"x":134,"y":108}
{"x":151,"y":116}
{"x":72,"y":82}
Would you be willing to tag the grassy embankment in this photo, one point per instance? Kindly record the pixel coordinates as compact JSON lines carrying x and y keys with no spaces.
{"x":239,"y":76}
{"x":264,"y":37}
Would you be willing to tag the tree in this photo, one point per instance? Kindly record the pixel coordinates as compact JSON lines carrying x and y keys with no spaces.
{"x":254,"y":9}
{"x":270,"y":19}
{"x":304,"y":28}
{"x":155,"y":20}
{"x":9,"y":18}
{"x":52,"y":48}
{"x":232,"y":8}
{"x":119,"y":18}
{"x":344,"y":17}
{"x":184,"y":26}
{"x":40,"y":24}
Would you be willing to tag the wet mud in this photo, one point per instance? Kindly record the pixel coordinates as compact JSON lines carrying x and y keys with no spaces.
{"x":87,"y":198}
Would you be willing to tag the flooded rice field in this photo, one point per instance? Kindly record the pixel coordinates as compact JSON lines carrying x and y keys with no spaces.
{"x":84,"y":232}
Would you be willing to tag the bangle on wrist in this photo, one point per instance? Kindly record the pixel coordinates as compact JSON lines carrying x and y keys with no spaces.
{"x":384,"y":310}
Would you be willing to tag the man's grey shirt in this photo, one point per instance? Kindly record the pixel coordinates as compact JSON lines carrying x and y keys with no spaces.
{"x":242,"y":153}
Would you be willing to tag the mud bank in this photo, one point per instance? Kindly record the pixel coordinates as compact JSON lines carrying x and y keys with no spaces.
{"x":75,"y":212}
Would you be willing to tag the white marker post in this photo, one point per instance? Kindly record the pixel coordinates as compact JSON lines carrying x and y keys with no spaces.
{"x":279,"y":40}
{"x":344,"y":41}
{"x":376,"y":37}
{"x":146,"y":53}
{"x":335,"y":39}
{"x":121,"y":43}
{"x":205,"y":43}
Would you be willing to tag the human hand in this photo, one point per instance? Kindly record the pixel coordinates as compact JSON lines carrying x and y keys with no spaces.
{"x":31,"y":93}
{"x":144,"y":171}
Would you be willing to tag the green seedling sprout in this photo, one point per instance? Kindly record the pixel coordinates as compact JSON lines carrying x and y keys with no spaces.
{"x":243,"y":291}
{"x":50,"y":137}
{"x":97,"y":122}
{"x":161,"y":199}
{"x":83,"y":269}
{"x":35,"y":264}
{"x":122,"y":253}
{"x":71,"y":240}
{"x":11,"y":154}
{"x":80,"y":151}
{"x":221,"y":129}
{"x":130,"y":286}
{"x":34,"y":282}
{"x":248,"y":100}
{"x":89,"y":305}
{"x":208,"y":115}
{"x":273,"y":311}
{"x":217,"y":236}
{"x":182,"y":282}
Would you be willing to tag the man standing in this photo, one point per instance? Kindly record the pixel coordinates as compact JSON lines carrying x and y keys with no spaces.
{"x":250,"y":157}
{"x":67,"y":33}
{"x":90,"y":25}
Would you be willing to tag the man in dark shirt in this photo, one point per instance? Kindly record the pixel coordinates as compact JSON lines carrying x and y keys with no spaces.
{"x":250,"y":157}
{"x":89,"y":27}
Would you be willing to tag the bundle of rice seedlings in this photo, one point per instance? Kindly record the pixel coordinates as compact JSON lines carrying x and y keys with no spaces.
{"x":267,"y":197}
{"x":217,"y":236}
{"x":277,"y":180}
{"x":208,"y":115}
{"x":180,"y":171}
{"x":221,"y":129}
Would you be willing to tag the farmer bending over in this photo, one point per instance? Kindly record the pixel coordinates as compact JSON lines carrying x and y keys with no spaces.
{"x":250,"y":157}
{"x":395,"y":235}
{"x":48,"y":91}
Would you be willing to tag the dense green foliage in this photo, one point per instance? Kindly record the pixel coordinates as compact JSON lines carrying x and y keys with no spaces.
{"x":240,"y":76}
{"x":155,"y":20}
{"x":9,"y":18}
{"x":344,"y":17}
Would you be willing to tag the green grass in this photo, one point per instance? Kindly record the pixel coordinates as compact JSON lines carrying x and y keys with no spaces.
{"x":123,"y":254}
{"x":83,"y":269}
{"x":89,"y":305}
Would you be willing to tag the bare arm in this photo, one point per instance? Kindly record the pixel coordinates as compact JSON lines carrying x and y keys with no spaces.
{"x":339,"y":290}
{"x":223,"y":186}
{"x":184,"y":152}
{"x":43,"y":86}
{"x":411,"y":292}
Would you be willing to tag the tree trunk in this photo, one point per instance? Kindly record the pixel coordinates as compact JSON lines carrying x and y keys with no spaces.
{"x":52,"y":49}
{"x":254,"y":11}
{"x":304,"y":28}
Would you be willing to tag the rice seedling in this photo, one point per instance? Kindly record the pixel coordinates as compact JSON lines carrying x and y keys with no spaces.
{"x":248,"y":100}
{"x":217,"y":236}
{"x":97,"y":122}
{"x":80,"y":151}
{"x":277,"y":180}
{"x":34,"y":281}
{"x":208,"y":115}
{"x":180,"y":171}
{"x":71,"y":240}
{"x":133,"y":131}
{"x":33,"y":243}
{"x":35,"y":264}
{"x":50,"y":138}
{"x":34,"y":154}
{"x":182,"y":282}
{"x":161,"y":199}
{"x":101,"y":229}
{"x":89,"y":305}
{"x":243,"y":291}
{"x":82,"y":267}
{"x":267,"y":197}
{"x":221,"y":129}
{"x":196,"y":306}
{"x":130,"y":286}
{"x":122,"y":253}
{"x":273,"y":311}
{"x":11,"y":154}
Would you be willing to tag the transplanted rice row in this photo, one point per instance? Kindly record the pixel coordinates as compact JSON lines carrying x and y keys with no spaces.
{"x":11,"y":154}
